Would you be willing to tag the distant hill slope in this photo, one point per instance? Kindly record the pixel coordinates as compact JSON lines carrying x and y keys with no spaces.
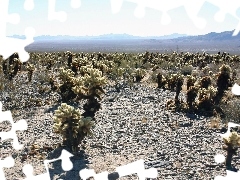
{"x":213,"y":36}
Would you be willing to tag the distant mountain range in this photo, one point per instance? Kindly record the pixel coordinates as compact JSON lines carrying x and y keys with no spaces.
{"x":100,"y":37}
{"x":213,"y":36}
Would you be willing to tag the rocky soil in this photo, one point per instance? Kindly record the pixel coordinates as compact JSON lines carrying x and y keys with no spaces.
{"x":133,"y":124}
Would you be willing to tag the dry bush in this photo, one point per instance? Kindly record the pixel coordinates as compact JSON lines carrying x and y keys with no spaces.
{"x":187,"y":70}
{"x":215,"y":122}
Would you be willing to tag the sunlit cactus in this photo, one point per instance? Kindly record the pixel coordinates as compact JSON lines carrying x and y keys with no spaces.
{"x":178,"y":84}
{"x":205,"y":70}
{"x":69,"y":58}
{"x":223,"y":81}
{"x":30,"y":69}
{"x":139,"y":74}
{"x":75,"y":66}
{"x":52,"y":83}
{"x":190,"y":81}
{"x":90,"y":86}
{"x":231,"y":143}
{"x":72,"y":126}
{"x":11,"y":66}
{"x":67,"y":78}
{"x":206,"y":98}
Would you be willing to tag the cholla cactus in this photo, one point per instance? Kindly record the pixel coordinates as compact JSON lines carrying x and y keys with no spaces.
{"x":205,"y":70}
{"x":90,"y":87}
{"x":205,"y":82}
{"x":66,"y":75}
{"x":191,"y":96}
{"x":161,"y":81}
{"x":84,"y":69}
{"x":75,"y":66}
{"x":30,"y":69}
{"x":223,"y":81}
{"x":67,"y":78}
{"x":231,"y":144}
{"x":206,"y":98}
{"x":11,"y":66}
{"x":90,"y":84}
{"x":179,"y":83}
{"x":139,"y":74}
{"x":171,"y":81}
{"x":190,"y":81}
{"x":71,"y":125}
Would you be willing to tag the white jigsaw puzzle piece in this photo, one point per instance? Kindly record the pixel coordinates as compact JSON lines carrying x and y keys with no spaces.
{"x":236,"y":89}
{"x":163,"y":6}
{"x":227,"y":7}
{"x":8,"y":46}
{"x":219,"y":158}
{"x":61,"y":15}
{"x":21,"y":125}
{"x":53,"y":15}
{"x":6,"y":18}
{"x":8,"y":162}
{"x":29,"y":5}
{"x":75,"y":4}
{"x":125,"y":170}
{"x":230,"y":176}
{"x":192,"y":8}
{"x":66,"y":166}
{"x":137,"y":167}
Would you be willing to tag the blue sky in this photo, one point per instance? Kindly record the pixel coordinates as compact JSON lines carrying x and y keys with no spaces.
{"x":94,"y":17}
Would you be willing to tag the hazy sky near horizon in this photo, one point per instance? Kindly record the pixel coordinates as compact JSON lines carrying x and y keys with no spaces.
{"x":95,"y":17}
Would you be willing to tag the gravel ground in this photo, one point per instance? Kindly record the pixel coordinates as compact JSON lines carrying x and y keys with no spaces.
{"x":132,"y":124}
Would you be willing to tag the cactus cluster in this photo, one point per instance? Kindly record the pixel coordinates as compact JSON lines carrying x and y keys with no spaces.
{"x":67,"y":77}
{"x":190,"y":81}
{"x":11,"y":66}
{"x":223,"y":80}
{"x":90,"y":87}
{"x":138,"y":74}
{"x":73,"y":127}
{"x":231,"y":143}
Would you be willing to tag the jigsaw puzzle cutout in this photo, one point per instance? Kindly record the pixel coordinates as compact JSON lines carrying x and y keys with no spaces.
{"x":192,"y":9}
{"x":8,"y":162}
{"x":66,"y":166}
{"x":219,"y":158}
{"x":236,"y":89}
{"x":136,"y":167}
{"x":21,"y":125}
{"x":10,"y":45}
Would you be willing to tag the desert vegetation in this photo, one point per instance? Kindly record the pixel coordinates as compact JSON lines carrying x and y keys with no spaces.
{"x":201,"y":84}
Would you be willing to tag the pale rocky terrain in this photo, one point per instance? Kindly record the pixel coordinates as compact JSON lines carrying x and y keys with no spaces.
{"x":132,"y":124}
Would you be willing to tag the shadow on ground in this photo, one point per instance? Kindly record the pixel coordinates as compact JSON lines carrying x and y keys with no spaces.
{"x":79,"y":162}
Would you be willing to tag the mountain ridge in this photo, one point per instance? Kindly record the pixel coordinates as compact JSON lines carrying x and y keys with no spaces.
{"x":175,"y":37}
